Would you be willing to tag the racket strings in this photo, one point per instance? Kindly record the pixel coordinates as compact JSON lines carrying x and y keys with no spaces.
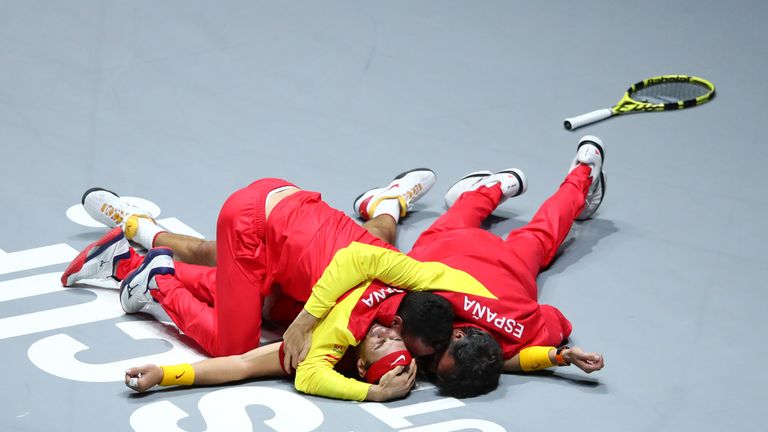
{"x":670,"y":92}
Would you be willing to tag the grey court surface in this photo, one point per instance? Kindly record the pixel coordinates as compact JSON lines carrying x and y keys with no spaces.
{"x":183,"y":102}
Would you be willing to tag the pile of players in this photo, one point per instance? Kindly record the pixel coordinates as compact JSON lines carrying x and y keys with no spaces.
{"x":362,"y":317}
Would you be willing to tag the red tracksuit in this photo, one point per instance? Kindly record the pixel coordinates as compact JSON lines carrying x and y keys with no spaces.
{"x":508,"y":268}
{"x":220,"y":308}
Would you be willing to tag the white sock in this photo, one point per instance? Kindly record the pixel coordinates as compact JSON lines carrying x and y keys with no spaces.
{"x":145,"y":232}
{"x":390,"y":206}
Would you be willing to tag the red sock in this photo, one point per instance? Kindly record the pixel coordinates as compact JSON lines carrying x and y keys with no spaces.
{"x":156,"y":293}
{"x":127,"y":265}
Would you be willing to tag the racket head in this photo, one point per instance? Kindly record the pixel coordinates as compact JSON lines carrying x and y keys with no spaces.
{"x":666,"y":92}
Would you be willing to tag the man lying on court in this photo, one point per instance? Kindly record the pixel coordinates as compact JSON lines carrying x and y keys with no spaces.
{"x":455,"y":252}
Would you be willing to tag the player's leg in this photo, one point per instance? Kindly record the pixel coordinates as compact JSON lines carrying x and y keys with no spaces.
{"x":193,"y":250}
{"x":383,"y":226}
{"x":199,"y":280}
{"x":231,"y":322}
{"x":241,"y":264}
{"x":187,"y":249}
{"x":474,"y":197}
{"x":536,"y":243}
{"x":110,"y":209}
{"x":112,"y":257}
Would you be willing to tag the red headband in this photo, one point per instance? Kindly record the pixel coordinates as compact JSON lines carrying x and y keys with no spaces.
{"x":386,"y":364}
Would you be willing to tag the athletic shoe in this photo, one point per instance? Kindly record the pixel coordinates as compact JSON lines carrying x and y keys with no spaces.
{"x":591,"y":151}
{"x":512,"y":181}
{"x":408,"y":187}
{"x":99,"y":259}
{"x":109,"y":209}
{"x":135,"y":288}
{"x":467,"y":183}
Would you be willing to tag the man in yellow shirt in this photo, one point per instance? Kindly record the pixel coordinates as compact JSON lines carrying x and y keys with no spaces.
{"x":378,"y":356}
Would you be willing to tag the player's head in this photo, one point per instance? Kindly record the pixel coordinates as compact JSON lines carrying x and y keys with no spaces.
{"x":471,"y":365}
{"x":425,"y":322}
{"x":381,"y":351}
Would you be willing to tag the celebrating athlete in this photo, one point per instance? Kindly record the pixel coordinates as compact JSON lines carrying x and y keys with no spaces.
{"x":454,"y":252}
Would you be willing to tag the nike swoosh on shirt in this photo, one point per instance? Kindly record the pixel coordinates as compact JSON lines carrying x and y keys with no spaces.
{"x":401,"y":357}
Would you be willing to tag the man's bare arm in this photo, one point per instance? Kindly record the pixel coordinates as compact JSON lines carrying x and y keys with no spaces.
{"x":588,"y":362}
{"x":260,"y":362}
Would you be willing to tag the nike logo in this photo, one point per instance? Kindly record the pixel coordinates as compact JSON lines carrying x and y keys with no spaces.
{"x":536,"y":366}
{"x":180,"y":375}
{"x":394,"y":186}
{"x":103,"y":262}
{"x":400,"y":357}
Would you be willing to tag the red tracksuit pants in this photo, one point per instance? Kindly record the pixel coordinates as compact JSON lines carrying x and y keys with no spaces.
{"x":528,"y":248}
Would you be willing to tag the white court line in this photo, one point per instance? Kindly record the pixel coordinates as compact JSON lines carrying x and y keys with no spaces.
{"x":30,"y":286}
{"x":423,"y":386}
{"x":35,"y":258}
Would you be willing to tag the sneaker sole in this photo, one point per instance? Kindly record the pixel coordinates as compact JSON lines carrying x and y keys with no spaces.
{"x":93,"y":249}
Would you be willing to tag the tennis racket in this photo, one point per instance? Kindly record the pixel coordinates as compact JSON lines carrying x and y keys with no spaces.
{"x":661,"y":93}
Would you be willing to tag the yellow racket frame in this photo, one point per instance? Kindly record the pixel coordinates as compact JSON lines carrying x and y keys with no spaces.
{"x":627,"y":104}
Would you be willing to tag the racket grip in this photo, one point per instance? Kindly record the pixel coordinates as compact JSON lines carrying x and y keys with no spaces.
{"x":588,"y":118}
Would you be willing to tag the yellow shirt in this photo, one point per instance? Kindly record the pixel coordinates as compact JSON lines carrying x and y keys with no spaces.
{"x":354,"y":268}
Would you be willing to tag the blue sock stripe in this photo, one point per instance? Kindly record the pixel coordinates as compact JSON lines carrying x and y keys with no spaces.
{"x":160,"y":271}
{"x":152,"y":254}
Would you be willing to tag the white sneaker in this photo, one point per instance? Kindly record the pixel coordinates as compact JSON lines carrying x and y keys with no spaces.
{"x":591,"y":151}
{"x":135,"y":288}
{"x":108,"y":208}
{"x":408,"y":187}
{"x":467,"y":183}
{"x":512,"y":181}
{"x":98,"y":260}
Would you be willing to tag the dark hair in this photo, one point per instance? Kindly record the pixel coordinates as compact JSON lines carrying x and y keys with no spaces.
{"x":477,"y":365}
{"x":427,"y":316}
